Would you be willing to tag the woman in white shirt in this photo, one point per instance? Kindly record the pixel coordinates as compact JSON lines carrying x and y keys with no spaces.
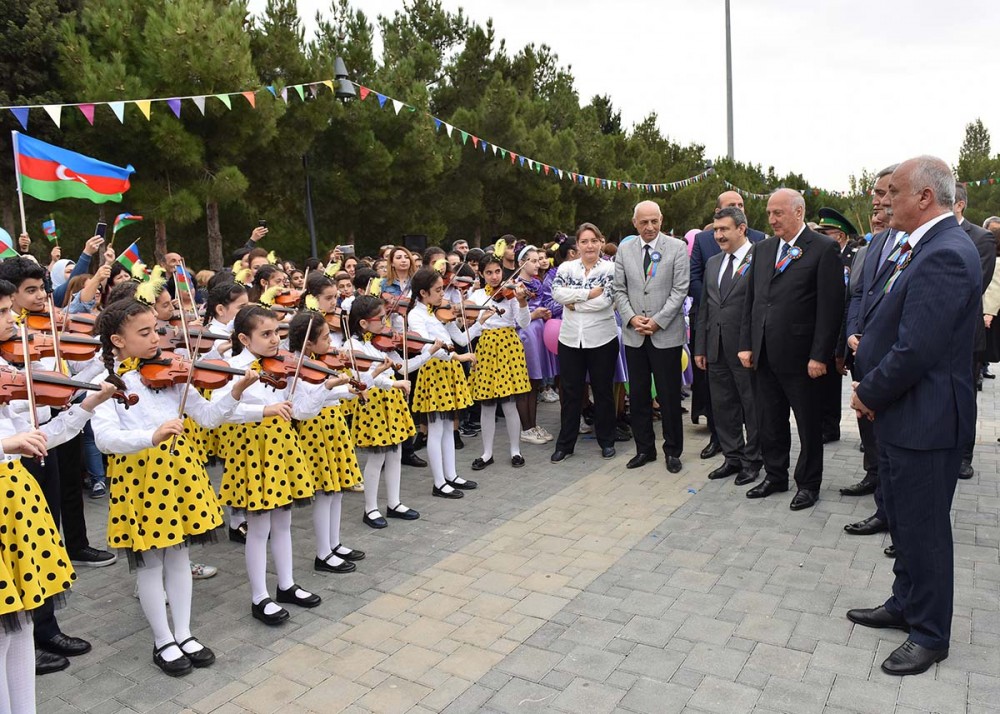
{"x":588,"y":342}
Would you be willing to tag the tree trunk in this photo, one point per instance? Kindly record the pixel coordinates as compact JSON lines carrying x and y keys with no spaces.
{"x":160,"y":250}
{"x":214,"y":236}
{"x":477,"y":238}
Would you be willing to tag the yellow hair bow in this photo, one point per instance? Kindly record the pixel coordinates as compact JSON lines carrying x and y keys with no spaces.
{"x":499,"y":248}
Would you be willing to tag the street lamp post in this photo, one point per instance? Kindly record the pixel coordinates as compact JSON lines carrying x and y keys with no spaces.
{"x":729,"y":82}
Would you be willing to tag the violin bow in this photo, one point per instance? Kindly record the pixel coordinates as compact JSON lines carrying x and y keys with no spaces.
{"x":55,"y":337}
{"x":184,"y":396}
{"x":30,"y":384}
{"x":302,"y":357}
{"x":184,"y":328}
{"x":354,"y":362}
{"x":190,"y":292}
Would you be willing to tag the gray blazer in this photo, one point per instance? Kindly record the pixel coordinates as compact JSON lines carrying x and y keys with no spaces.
{"x":720,"y":316}
{"x":661,"y":296}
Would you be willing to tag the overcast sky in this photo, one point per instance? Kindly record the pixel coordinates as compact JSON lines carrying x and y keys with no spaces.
{"x":822,"y":88}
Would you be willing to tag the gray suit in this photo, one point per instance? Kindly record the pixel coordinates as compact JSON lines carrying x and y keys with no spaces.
{"x":660,"y":296}
{"x":717,"y":337}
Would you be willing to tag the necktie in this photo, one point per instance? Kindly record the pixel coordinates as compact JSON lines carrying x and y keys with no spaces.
{"x":784,"y":251}
{"x":890,"y":246}
{"x":647,"y":260}
{"x":727,"y":275}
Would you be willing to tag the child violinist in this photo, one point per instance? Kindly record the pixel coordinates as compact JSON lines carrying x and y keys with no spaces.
{"x":265,"y":472}
{"x":441,"y":389}
{"x":161,"y":497}
{"x":383,"y":422}
{"x":500,"y":372}
{"x":326,"y":443}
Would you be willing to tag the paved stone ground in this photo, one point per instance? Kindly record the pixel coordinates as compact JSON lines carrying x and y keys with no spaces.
{"x":577,"y":588}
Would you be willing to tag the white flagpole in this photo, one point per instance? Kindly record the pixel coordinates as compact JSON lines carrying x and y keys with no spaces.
{"x":20,"y":194}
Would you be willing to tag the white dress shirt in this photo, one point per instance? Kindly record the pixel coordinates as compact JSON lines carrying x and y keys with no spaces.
{"x":591,"y":321}
{"x":922,"y":230}
{"x":777,"y":258}
{"x":740,"y":254}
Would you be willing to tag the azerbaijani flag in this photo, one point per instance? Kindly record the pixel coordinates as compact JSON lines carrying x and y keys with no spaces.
{"x":129,"y":257}
{"x":183,"y":284}
{"x":50,"y":230}
{"x":6,"y":245}
{"x":49,"y":173}
{"x":122,"y":220}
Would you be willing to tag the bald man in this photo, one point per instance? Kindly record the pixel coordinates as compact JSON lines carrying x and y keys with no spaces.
{"x":791,"y":321}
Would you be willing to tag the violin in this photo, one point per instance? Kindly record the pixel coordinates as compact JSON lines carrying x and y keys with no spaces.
{"x":172,"y":339}
{"x":51,"y":389}
{"x":282,"y":365}
{"x":335,"y":319}
{"x":397,"y":303}
{"x":506,"y":292}
{"x":82,"y":323}
{"x":168,"y":369}
{"x":289,"y":298}
{"x":449,"y":313}
{"x":414,"y":342}
{"x":74,"y":347}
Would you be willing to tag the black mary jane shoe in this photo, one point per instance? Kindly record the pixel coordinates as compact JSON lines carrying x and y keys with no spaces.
{"x":175,"y":668}
{"x":257,"y":610}
{"x":201,"y":658}
{"x":407,"y":515}
{"x":479,"y":464}
{"x":465,"y":485}
{"x":351,"y":554}
{"x":517,"y":461}
{"x":379,"y":522}
{"x":239,"y":533}
{"x":320,"y":565}
{"x":289,"y":597}
{"x":441,"y":493}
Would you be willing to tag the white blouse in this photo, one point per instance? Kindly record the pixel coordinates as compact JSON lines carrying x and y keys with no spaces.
{"x":513,"y":314}
{"x":385,"y":379}
{"x":590,"y":322}
{"x":258,"y":395}
{"x":58,"y":430}
{"x":426,"y":324}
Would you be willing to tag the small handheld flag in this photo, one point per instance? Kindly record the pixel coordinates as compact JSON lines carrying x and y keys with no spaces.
{"x":183,"y":284}
{"x":49,"y":173}
{"x":50,"y":230}
{"x":6,"y":245}
{"x":122,"y":220}
{"x":129,"y":257}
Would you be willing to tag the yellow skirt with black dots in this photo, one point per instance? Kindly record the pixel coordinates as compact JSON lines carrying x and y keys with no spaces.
{"x":326,"y":444}
{"x":383,"y":420}
{"x":265,"y":468}
{"x":34,"y":565}
{"x":500,"y":371}
{"x":441,"y":388}
{"x":160,"y":499}
{"x":197,"y":437}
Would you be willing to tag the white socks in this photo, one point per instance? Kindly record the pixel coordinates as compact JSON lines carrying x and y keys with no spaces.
{"x":437,"y":431}
{"x":513,"y":420}
{"x":393,"y":476}
{"x":149,"y":583}
{"x":488,"y":422}
{"x":326,"y":524}
{"x":489,"y":425}
{"x":372,"y":475}
{"x":17,"y":668}
{"x":277,"y":524}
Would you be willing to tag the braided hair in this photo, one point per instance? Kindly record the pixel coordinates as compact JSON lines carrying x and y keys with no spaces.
{"x":297,"y":337}
{"x":222,"y":295}
{"x":110,"y":323}
{"x":246,"y":320}
{"x":364,"y":307}
{"x":260,"y":280}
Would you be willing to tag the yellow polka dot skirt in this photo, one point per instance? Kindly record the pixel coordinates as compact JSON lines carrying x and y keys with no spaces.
{"x":441,"y":388}
{"x":197,"y":437}
{"x":159,"y":499}
{"x":326,"y":443}
{"x":500,"y":370}
{"x":265,"y":468}
{"x":383,"y":420}
{"x":34,"y":565}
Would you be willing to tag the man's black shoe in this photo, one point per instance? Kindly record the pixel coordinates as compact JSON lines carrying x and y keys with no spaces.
{"x":640,"y":460}
{"x":869,"y":526}
{"x":890,"y":552}
{"x":864,"y":487}
{"x":804,"y":498}
{"x":965,"y":471}
{"x":712,"y":449}
{"x":877,"y":617}
{"x":765,"y":488}
{"x":47,"y":663}
{"x":413,"y":460}
{"x":911,"y":658}
{"x":65,"y":645}
{"x":559,"y":455}
{"x":746,"y":476}
{"x":724,"y":471}
{"x":673,"y":464}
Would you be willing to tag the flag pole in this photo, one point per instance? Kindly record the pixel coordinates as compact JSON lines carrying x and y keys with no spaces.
{"x":17,"y":174}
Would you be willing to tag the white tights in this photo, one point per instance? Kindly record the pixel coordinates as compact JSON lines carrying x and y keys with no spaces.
{"x":326,"y":524}
{"x":278,"y":525}
{"x":392,"y":461}
{"x":441,"y":452}
{"x":489,"y":425}
{"x":167,"y":569}
{"x":17,"y":669}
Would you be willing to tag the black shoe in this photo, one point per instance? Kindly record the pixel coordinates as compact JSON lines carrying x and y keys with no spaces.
{"x":469,"y":431}
{"x":453,"y":493}
{"x":479,"y":464}
{"x":465,"y":485}
{"x":673,"y":464}
{"x":623,"y":433}
{"x":988,"y":374}
{"x":765,"y":488}
{"x":607,"y":452}
{"x":321,"y":566}
{"x":803,"y":498}
{"x":459,"y":444}
{"x":890,"y":552}
{"x":351,"y":554}
{"x":93,"y":558}
{"x":640,"y":460}
{"x":64,"y":645}
{"x":861,"y":448}
{"x":864,"y":487}
{"x":517,"y":461}
{"x":832,"y":436}
{"x":379,"y":522}
{"x":724,"y":471}
{"x":238,"y":534}
{"x":713,"y":449}
{"x":559,"y":455}
{"x":175,"y":668}
{"x":407,"y":515}
{"x":877,"y":617}
{"x":869,"y":526}
{"x":47,"y":663}
{"x":911,"y":658}
{"x":746,"y":476}
{"x":413,"y":460}
{"x":289,"y":596}
{"x":965,"y":471}
{"x":419,"y":441}
{"x":201,"y":658}
{"x":258,"y":612}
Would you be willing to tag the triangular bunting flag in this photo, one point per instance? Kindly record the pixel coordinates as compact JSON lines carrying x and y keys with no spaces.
{"x":447,"y":129}
{"x":521,"y":159}
{"x":531,"y":164}
{"x":363,"y":92}
{"x":495,"y":149}
{"x":546,"y":168}
{"x":313,"y":90}
{"x":54,"y":111}
{"x":143,"y":105}
{"x":437,"y":124}
{"x":503,"y":153}
{"x":483,"y":145}
{"x":251,"y":97}
{"x":88,"y":111}
{"x":22,"y":116}
{"x":270,"y":88}
{"x":513,"y":157}
{"x":119,"y":109}
{"x":465,"y":137}
{"x":381,"y":99}
{"x":175,"y":106}
{"x":224,"y":98}
{"x":284,"y":95}
{"x":302,"y":92}
{"x":329,"y":84}
{"x":397,"y":105}
{"x":475,"y":141}
{"x":200,"y":103}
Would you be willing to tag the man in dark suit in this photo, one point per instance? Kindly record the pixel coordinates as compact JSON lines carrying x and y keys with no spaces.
{"x":791,"y":318}
{"x":986,"y":246}
{"x":914,"y":355}
{"x":704,"y":248}
{"x":715,"y":351}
